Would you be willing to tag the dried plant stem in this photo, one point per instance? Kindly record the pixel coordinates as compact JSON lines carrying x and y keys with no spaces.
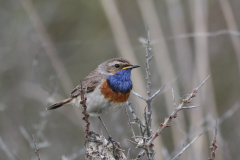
{"x":36,"y":149}
{"x":148,"y":101}
{"x":86,"y":115}
{"x":180,"y":153}
{"x":174,"y":103}
{"x":135,"y":118}
{"x":214,"y":146}
{"x":162,"y":58}
{"x":130,"y":123}
{"x":173,"y":115}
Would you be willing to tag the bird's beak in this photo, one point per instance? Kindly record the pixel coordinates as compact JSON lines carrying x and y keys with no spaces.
{"x":131,"y":67}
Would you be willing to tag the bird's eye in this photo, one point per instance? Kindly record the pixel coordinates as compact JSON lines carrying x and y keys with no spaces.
{"x":117,"y":65}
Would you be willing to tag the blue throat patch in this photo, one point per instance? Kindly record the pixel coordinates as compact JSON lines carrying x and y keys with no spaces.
{"x":120,"y":81}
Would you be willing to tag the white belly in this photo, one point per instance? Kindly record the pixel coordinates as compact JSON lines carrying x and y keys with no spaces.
{"x":97,"y":104}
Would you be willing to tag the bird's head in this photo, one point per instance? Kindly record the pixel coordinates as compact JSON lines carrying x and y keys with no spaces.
{"x":115,"y":65}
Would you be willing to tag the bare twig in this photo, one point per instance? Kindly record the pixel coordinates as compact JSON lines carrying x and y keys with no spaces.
{"x":131,"y":141}
{"x":161,"y":55}
{"x":202,"y":83}
{"x":190,"y":107}
{"x":205,"y":34}
{"x":154,"y":95}
{"x":180,"y":153}
{"x":129,"y":122}
{"x":128,"y":154}
{"x":148,"y":49}
{"x":174,"y":103}
{"x":135,"y":118}
{"x":173,"y":115}
{"x":214,"y":146}
{"x":148,"y":117}
{"x":138,"y":95}
{"x":40,"y":135}
{"x":36,"y":149}
{"x":210,"y":121}
{"x":26,"y":136}
{"x":86,"y":115}
{"x":229,"y":113}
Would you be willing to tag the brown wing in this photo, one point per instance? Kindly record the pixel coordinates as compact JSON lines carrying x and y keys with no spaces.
{"x":90,"y":82}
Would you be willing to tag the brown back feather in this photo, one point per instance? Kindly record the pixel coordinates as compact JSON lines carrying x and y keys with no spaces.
{"x":90,"y":82}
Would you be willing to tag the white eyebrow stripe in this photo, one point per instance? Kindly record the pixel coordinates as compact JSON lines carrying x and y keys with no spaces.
{"x":113,"y":63}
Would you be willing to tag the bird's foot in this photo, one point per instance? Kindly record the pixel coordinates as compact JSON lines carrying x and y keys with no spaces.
{"x":114,"y":144}
{"x":91,"y":137}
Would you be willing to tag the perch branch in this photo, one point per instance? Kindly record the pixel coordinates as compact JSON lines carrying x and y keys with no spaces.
{"x":214,"y":146}
{"x":180,"y":153}
{"x":173,"y":115}
{"x":86,"y":115}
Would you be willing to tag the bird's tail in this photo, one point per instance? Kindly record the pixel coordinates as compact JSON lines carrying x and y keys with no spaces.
{"x":59,"y":104}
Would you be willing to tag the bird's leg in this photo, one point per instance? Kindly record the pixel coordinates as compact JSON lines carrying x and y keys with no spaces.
{"x":109,"y":136}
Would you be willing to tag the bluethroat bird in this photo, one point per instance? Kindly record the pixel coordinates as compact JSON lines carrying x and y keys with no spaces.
{"x":107,"y":88}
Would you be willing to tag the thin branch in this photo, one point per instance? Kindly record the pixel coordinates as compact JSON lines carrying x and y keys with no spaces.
{"x":180,"y":153}
{"x":86,"y":115}
{"x":129,"y":122}
{"x":36,"y":149}
{"x":133,"y":114}
{"x":205,"y":34}
{"x":131,"y":141}
{"x":26,"y":136}
{"x":190,"y":107}
{"x":209,"y":120}
{"x":154,"y":95}
{"x":229,"y":113}
{"x":203,"y":83}
{"x":214,"y":146}
{"x":138,"y":95}
{"x":148,"y":49}
{"x":128,"y":154}
{"x":174,"y":103}
{"x":173,"y":115}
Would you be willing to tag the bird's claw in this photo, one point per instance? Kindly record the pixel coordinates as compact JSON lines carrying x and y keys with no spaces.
{"x":110,"y":139}
{"x":91,"y":137}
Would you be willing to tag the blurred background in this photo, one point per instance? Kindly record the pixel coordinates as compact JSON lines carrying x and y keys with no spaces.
{"x":48,"y":46}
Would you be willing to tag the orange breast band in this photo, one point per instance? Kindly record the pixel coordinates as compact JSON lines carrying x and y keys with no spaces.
{"x":112,"y":96}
